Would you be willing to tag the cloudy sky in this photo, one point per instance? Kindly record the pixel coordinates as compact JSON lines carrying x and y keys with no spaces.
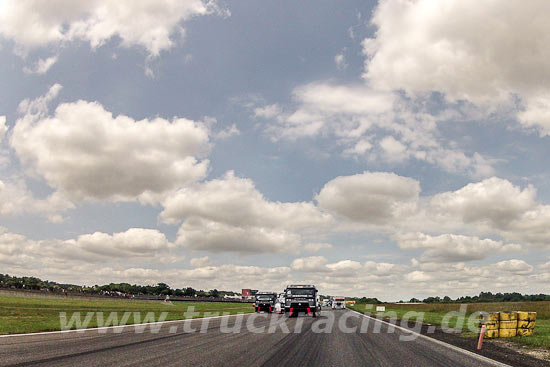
{"x":390,"y":149}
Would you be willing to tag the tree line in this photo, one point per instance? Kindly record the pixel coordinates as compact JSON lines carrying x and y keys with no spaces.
{"x":486,"y":297}
{"x":160,"y":289}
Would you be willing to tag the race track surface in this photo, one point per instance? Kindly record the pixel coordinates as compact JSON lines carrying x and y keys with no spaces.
{"x":263,"y":340}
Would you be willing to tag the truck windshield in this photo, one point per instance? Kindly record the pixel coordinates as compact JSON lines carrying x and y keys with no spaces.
{"x":301,"y":292}
{"x":264,"y":298}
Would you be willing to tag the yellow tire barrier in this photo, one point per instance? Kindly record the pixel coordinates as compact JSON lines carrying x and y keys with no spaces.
{"x":507,"y":324}
{"x":508,"y":315}
{"x":523,"y":320}
{"x":492,"y":333}
{"x":526,"y":323}
{"x":525,"y":332}
{"x":507,"y":333}
{"x":492,"y":322}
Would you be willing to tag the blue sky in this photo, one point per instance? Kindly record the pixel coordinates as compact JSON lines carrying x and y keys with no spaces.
{"x":393,"y":149}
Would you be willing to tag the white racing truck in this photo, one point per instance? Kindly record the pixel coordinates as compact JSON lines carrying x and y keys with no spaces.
{"x":265,"y":301}
{"x":301,"y":298}
{"x":338,"y":303}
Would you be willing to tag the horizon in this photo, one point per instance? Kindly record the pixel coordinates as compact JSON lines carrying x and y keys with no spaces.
{"x":418,"y":300}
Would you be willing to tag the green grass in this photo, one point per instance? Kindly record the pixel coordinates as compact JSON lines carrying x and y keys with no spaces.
{"x":435,"y":313}
{"x":27,"y":315}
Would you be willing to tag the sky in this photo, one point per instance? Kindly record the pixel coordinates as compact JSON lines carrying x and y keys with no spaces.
{"x":390,"y":149}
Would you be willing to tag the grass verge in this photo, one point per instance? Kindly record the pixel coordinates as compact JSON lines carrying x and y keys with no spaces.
{"x":27,"y":315}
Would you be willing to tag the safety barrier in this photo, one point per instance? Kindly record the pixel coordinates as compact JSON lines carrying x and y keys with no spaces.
{"x":507,"y":324}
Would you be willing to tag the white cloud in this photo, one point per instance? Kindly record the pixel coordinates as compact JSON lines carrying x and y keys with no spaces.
{"x":418,"y":276}
{"x":38,"y":107}
{"x":3,"y":127}
{"x":120,"y":257}
{"x":321,"y":105}
{"x":42,"y":66}
{"x":87,"y":153}
{"x":320,"y":265}
{"x":236,"y":201}
{"x":450,"y":248}
{"x":477,"y":51}
{"x":269,"y":111}
{"x":227,"y":133}
{"x":381,"y":269}
{"x":48,"y":260}
{"x":531,"y":227}
{"x":394,"y":150}
{"x":310,"y":264}
{"x":120,"y":249}
{"x":371,"y":125}
{"x":151,"y":24}
{"x":536,"y":113}
{"x":345,"y":267}
{"x":14,"y":248}
{"x":371,"y":197}
{"x":134,"y":242}
{"x":205,"y":235}
{"x":340,"y":61}
{"x":317,"y":246}
{"x":464,"y":48}
{"x":16,"y":199}
{"x":200,"y":262}
{"x":230,"y":214}
{"x":492,"y":207}
{"x":341,"y":99}
{"x":495,"y":201}
{"x":515,"y":266}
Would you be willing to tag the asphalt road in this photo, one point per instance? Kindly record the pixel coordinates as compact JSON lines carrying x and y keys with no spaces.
{"x":262,"y":341}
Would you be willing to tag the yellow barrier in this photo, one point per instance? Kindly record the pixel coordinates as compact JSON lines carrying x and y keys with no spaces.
{"x":507,"y":324}
{"x":525,"y":332}
{"x":508,"y":315}
{"x":492,"y":322}
{"x":526,"y":323}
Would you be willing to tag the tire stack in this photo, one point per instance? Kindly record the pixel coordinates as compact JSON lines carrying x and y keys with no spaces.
{"x":508,"y":324}
{"x":492,"y":321}
{"x":526,"y":323}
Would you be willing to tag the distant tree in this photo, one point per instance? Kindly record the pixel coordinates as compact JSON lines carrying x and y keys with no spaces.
{"x":214,"y":293}
{"x":162,"y":288}
{"x":189,"y":292}
{"x":201,"y":293}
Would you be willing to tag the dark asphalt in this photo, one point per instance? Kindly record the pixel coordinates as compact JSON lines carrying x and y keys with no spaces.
{"x":174,"y":346}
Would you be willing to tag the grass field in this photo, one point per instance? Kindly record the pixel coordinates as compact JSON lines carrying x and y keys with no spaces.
{"x":27,"y":314}
{"x":434,"y":313}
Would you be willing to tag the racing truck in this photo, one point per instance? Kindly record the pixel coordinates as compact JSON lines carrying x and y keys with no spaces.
{"x":301,"y":298}
{"x":265,"y":301}
{"x":338,"y":303}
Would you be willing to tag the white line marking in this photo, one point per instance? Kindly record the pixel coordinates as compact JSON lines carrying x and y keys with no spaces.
{"x":119,"y":326}
{"x":447,"y":345}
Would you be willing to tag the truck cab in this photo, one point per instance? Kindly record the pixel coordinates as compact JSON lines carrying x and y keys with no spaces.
{"x":265,"y":301}
{"x":338,"y":303}
{"x":301,"y":298}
